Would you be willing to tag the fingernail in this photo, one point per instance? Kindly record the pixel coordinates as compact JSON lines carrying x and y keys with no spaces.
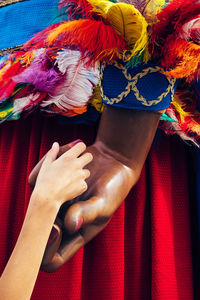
{"x":53,"y":235}
{"x":72,"y":144}
{"x":55,"y":144}
{"x":78,"y":224}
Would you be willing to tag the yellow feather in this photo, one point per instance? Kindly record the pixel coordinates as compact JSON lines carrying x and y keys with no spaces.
{"x":180,"y":105}
{"x":101,"y":6}
{"x":195,"y":127}
{"x":152,"y":9}
{"x":27,"y":58}
{"x":5,"y":112}
{"x":96,"y":100}
{"x":127,"y":21}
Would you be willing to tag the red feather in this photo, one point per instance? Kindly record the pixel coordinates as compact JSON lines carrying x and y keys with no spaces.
{"x":80,"y":8}
{"x":171,"y":42}
{"x":39,"y":38}
{"x":170,"y":22}
{"x":7,"y":85}
{"x":94,"y":39}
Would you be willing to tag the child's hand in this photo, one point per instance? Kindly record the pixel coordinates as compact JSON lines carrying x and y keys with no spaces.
{"x":63,"y":179}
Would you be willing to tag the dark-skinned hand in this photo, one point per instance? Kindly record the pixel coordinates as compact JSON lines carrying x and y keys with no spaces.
{"x":118,"y":157}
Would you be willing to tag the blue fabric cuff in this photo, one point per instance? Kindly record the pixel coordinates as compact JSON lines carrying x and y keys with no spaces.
{"x":143,"y":87}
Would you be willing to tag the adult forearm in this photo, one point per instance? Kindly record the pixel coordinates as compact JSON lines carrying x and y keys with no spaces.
{"x":18,"y":278}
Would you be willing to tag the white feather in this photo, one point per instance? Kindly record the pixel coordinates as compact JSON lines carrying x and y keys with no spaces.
{"x":78,"y":84}
{"x":21,"y":103}
{"x":186,"y":29}
{"x":177,"y":129}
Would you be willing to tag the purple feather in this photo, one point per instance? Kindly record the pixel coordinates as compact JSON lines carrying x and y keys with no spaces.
{"x":139,"y":4}
{"x":39,"y":74}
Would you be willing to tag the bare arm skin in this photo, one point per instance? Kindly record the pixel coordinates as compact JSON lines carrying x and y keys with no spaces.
{"x":122,"y":144}
{"x":50,"y":192}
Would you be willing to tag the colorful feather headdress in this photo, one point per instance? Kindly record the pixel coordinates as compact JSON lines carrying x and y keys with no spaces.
{"x":60,"y":63}
{"x":58,"y":69}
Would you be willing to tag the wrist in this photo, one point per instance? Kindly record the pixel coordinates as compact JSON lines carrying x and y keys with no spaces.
{"x":43,"y":203}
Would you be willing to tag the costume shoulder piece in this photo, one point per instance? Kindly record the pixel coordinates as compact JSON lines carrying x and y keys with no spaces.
{"x":131,"y":55}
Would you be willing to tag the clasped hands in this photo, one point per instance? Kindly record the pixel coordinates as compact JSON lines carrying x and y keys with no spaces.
{"x":85,"y":216}
{"x":119,"y":152}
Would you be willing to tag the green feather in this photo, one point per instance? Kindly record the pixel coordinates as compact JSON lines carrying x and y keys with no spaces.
{"x":165,"y":117}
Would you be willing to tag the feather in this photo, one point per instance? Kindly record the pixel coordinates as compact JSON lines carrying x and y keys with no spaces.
{"x":53,"y":109}
{"x":175,"y":128}
{"x":7,"y":85}
{"x":21,"y":104}
{"x":165,"y":117}
{"x":190,"y":29}
{"x":127,"y":21}
{"x":38,"y":41}
{"x":77,"y":86}
{"x":148,"y":8}
{"x":92,"y":37}
{"x":96,"y":100}
{"x":138,"y":4}
{"x":152,"y":8}
{"x":184,"y":114}
{"x":3,"y":60}
{"x":40,"y":74}
{"x":171,"y":42}
{"x":6,"y":112}
{"x":181,"y":59}
{"x":77,"y":8}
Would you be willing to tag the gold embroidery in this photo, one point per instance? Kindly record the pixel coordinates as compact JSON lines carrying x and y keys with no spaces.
{"x":8,"y":2}
{"x":132,"y":86}
{"x":9,"y":50}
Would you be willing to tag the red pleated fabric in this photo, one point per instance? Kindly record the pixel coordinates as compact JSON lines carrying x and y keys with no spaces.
{"x":145,"y":251}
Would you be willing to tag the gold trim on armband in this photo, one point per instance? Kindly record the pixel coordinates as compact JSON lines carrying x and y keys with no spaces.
{"x":132,"y":86}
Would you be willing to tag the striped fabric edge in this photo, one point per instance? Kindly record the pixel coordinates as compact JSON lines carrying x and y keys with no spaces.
{"x":9,"y":50}
{"x":8,"y":2}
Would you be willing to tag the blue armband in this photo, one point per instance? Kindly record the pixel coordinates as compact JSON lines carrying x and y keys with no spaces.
{"x":144,"y":87}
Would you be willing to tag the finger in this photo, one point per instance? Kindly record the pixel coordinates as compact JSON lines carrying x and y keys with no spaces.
{"x":66,"y":147}
{"x":82,"y":213}
{"x":34,"y":173}
{"x":86,"y":173}
{"x":74,"y":152}
{"x":70,"y":245}
{"x":85,"y":159}
{"x":52,"y":153}
{"x":52,"y":244}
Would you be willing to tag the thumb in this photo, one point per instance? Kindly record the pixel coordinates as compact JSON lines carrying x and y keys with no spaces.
{"x":83,"y":213}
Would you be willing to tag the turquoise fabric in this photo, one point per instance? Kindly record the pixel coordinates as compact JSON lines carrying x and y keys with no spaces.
{"x":20,"y":21}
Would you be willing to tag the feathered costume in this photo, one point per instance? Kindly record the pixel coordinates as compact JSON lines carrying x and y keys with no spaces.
{"x":132,"y":54}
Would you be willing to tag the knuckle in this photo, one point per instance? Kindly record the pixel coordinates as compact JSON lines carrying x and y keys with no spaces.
{"x":84,"y":186}
{"x":89,"y":156}
{"x":86,"y":173}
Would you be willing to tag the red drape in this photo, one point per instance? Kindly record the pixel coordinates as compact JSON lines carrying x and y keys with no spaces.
{"x":145,"y":251}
